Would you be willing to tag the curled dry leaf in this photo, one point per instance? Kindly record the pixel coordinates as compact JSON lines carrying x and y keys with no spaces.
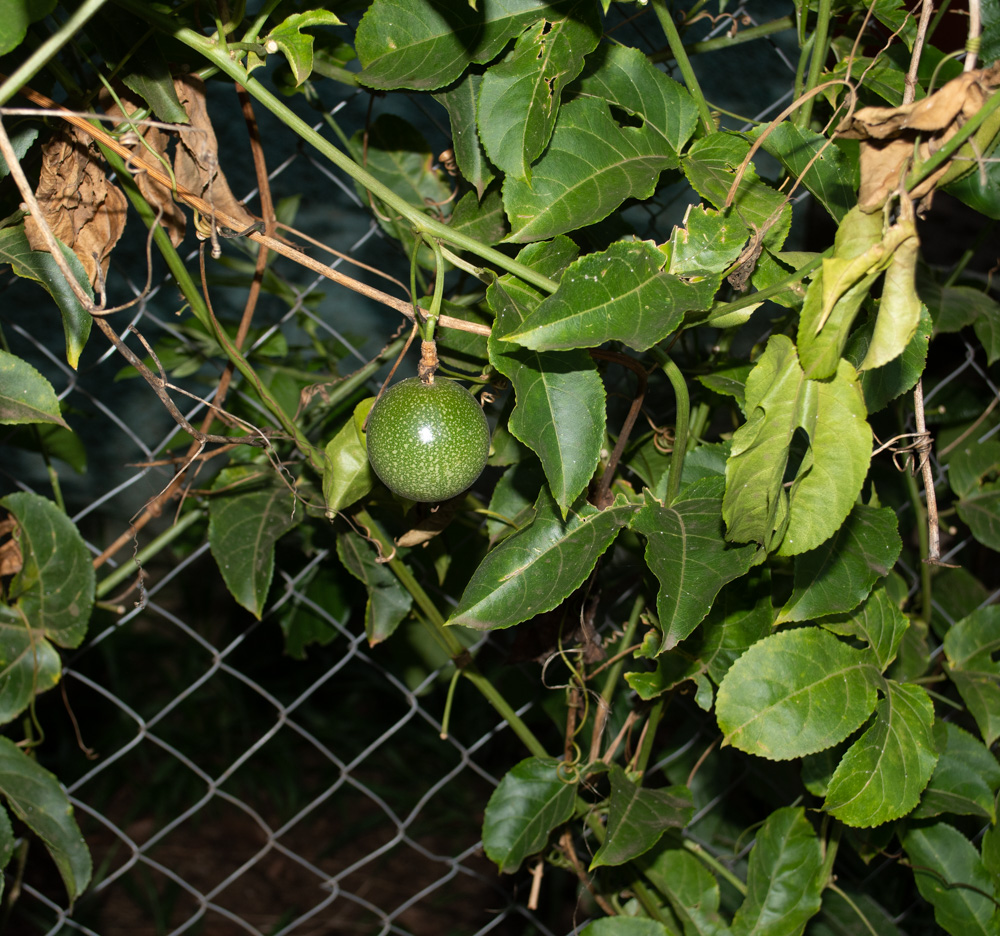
{"x":11,"y":561}
{"x":83,"y":209}
{"x":888,"y":136}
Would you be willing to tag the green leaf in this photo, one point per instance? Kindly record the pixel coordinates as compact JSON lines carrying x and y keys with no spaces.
{"x":623,"y":77}
{"x":54,"y":591}
{"x":980,"y":189}
{"x":637,"y":818}
{"x":460,"y":100}
{"x":955,"y":307}
{"x":878,"y":621}
{"x":426,"y":44}
{"x":780,"y":401}
{"x":852,"y":913}
{"x":691,"y":889}
{"x":560,"y":398}
{"x":832,"y":178}
{"x":883,"y":773}
{"x":38,"y":265}
{"x":25,"y":395}
{"x":36,"y":798}
{"x":21,"y":139}
{"x":839,"y":575}
{"x":620,"y":294}
{"x":251,"y":511}
{"x":7,"y":843}
{"x":795,"y":693}
{"x":711,"y":165}
{"x":388,"y":602}
{"x":591,"y":165}
{"x":980,"y":510}
{"x":625,"y":926}
{"x":971,"y":647}
{"x":899,"y":310}
{"x":295,"y":45}
{"x":484,"y":220}
{"x":709,"y":242}
{"x":531,"y":800}
{"x":17,"y":15}
{"x":741,"y":615}
{"x":950,"y":875}
{"x":784,"y":877}
{"x":519,"y":99}
{"x":305,"y":619}
{"x":29,"y":664}
{"x":972,"y":463}
{"x":965,"y":780}
{"x":534,"y":570}
{"x":347,"y":475}
{"x":688,"y":553}
{"x":513,"y":502}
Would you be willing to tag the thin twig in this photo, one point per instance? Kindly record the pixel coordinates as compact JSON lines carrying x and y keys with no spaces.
{"x":910,"y":81}
{"x":975,"y":31}
{"x":927,"y":472}
{"x":566,"y":842}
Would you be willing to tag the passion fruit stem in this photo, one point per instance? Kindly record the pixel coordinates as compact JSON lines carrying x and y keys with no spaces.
{"x":428,"y":361}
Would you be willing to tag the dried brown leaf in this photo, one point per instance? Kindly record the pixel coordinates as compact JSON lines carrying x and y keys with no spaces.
{"x":83,"y":209}
{"x":889,"y":134}
{"x":11,"y":561}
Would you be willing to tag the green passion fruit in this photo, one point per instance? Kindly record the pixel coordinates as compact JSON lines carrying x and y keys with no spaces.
{"x":427,"y":442}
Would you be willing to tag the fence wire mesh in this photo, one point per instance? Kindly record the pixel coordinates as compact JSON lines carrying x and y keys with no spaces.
{"x":225,"y":789}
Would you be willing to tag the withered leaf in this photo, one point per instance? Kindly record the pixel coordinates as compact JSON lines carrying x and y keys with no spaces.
{"x":11,"y":560}
{"x":82,"y":208}
{"x":888,"y":135}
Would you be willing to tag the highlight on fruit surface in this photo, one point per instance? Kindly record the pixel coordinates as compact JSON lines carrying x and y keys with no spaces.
{"x":427,"y":441}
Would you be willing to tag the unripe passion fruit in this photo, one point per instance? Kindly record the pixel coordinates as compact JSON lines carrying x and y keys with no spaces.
{"x":427,"y":442}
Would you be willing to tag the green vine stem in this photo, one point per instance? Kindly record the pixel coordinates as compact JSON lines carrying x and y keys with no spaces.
{"x":422,"y":224}
{"x":744,"y":35}
{"x":817,"y":61}
{"x":713,"y":864}
{"x":683,"y":62}
{"x":447,"y":639}
{"x":677,"y":381}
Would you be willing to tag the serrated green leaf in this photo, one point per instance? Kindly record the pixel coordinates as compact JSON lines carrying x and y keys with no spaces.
{"x":878,"y":621}
{"x":638,"y":817}
{"x":347,"y":474}
{"x":950,"y":875}
{"x":687,"y":552}
{"x":839,"y":575}
{"x":482,"y":219}
{"x":534,"y":570}
{"x":832,"y":178}
{"x":795,"y":693}
{"x":460,"y":100}
{"x":17,"y":15}
{"x":971,"y":647}
{"x":388,"y":602}
{"x":591,"y":165}
{"x":972,"y":463}
{"x":980,"y":510}
{"x":29,"y":664}
{"x":296,"y":45}
{"x":520,"y":97}
{"x":36,"y":798}
{"x":251,"y":511}
{"x":54,"y":590}
{"x":531,"y":800}
{"x":426,"y":44}
{"x":622,"y":293}
{"x":780,"y":401}
{"x":560,"y":398}
{"x":21,"y":139}
{"x":741,"y":615}
{"x":883,"y":773}
{"x":25,"y":395}
{"x":784,"y":877}
{"x":691,"y":889}
{"x":965,"y":780}
{"x":39,"y":266}
{"x":708,"y":242}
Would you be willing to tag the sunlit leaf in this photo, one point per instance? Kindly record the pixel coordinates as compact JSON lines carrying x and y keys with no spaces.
{"x":878,"y":621}
{"x":296,"y":45}
{"x":347,"y":474}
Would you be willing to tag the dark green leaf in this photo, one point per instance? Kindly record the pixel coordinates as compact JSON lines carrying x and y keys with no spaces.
{"x":460,"y":101}
{"x":691,"y":889}
{"x":591,"y":166}
{"x":250,"y":513}
{"x":347,"y":475}
{"x":531,"y":800}
{"x":884,"y":772}
{"x":296,"y":45}
{"x":973,"y":462}
{"x":560,"y":409}
{"x":839,"y":575}
{"x":7,"y":843}
{"x":980,"y":509}
{"x":25,"y":395}
{"x":305,"y":619}
{"x":29,"y":664}
{"x":795,"y":693}
{"x":513,"y":502}
{"x":637,"y":818}
{"x":21,"y":138}
{"x":388,"y":602}
{"x":621,"y":294}
{"x":741,"y":615}
{"x":878,"y":622}
{"x":779,"y":402}
{"x":784,"y":877}
{"x":625,"y":926}
{"x":37,"y":799}
{"x":426,"y":44}
{"x":483,"y":220}
{"x":687,"y":552}
{"x":851,"y":913}
{"x":39,"y":266}
{"x":971,"y":647}
{"x":950,"y":875}
{"x":519,"y":99}
{"x":965,"y":780}
{"x":980,"y":189}
{"x":17,"y":15}
{"x":534,"y":570}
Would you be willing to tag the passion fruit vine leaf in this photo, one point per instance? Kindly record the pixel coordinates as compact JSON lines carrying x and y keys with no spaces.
{"x":692,"y":890}
{"x":537,"y":568}
{"x":25,"y":395}
{"x":971,"y":647}
{"x":461,"y":101}
{"x":388,"y":602}
{"x":965,"y":780}
{"x":878,"y":622}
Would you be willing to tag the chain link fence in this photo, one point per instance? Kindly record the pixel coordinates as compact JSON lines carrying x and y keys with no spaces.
{"x":224,"y":788}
